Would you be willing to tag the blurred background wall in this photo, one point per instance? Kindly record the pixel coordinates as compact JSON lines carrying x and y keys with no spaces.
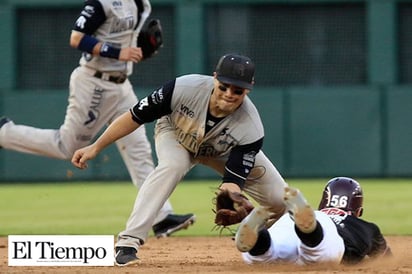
{"x":333,"y":79}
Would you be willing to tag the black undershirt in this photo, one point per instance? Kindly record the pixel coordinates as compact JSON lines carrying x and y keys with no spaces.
{"x":211,"y":121}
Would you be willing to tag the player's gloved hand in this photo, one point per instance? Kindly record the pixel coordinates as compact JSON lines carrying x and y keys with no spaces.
{"x":231,"y":208}
{"x":151,"y":39}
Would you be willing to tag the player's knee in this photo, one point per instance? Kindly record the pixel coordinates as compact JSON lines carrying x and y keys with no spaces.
{"x":67,"y":152}
{"x":173,"y":166}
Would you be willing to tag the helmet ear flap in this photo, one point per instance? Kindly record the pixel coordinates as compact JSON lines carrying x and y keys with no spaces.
{"x":359,"y":212}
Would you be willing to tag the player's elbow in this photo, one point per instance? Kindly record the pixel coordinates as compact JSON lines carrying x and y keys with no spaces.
{"x":75,"y":38}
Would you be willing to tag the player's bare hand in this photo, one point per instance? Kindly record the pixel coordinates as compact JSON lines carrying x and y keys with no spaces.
{"x":82,"y":155}
{"x":232,"y":187}
{"x":131,"y":54}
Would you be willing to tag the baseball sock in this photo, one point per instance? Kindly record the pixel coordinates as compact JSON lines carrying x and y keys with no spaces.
{"x":262,"y":244}
{"x":313,"y":238}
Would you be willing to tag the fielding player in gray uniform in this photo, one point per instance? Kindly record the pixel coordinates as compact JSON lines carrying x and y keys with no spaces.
{"x":201,"y":119}
{"x":110,"y":35}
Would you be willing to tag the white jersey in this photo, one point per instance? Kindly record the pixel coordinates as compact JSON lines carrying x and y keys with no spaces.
{"x":286,"y":247}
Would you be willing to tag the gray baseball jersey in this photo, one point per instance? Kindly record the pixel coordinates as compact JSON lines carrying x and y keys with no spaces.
{"x":185,"y":136}
{"x":189,"y":113}
{"x":118,"y":23}
{"x":186,"y":102}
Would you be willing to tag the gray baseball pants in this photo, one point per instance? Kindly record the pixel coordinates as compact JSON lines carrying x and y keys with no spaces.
{"x":265,"y":185}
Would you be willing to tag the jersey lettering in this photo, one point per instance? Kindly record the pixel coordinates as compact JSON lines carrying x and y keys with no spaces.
{"x":123,"y":24}
{"x":207,"y":151}
{"x":185,"y":111}
{"x":187,"y":140}
{"x":117,"y":4}
{"x":94,"y":112}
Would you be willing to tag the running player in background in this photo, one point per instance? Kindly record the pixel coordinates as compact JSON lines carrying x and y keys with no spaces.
{"x":111,"y":36}
{"x":333,"y":234}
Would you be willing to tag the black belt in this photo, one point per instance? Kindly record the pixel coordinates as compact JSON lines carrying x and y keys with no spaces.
{"x":115,"y":79}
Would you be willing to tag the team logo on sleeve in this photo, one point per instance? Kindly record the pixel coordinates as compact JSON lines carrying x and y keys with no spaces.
{"x":143,"y":103}
{"x":80,"y":22}
{"x":88,"y":11}
{"x":249,"y":161}
{"x":157,"y":96}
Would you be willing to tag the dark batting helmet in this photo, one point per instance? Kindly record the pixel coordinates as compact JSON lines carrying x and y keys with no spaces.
{"x":343,"y":193}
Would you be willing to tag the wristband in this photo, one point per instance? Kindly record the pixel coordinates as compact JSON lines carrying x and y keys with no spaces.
{"x":87,"y":43}
{"x":109,"y":51}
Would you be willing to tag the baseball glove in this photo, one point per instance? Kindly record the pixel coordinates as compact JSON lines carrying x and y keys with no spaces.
{"x":231,"y":208}
{"x":151,"y":39}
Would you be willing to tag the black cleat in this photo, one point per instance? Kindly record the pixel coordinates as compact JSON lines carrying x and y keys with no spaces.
{"x":4,"y":120}
{"x":126,"y":256}
{"x":173,"y":223}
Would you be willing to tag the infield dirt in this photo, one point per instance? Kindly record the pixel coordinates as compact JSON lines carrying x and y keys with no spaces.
{"x":219,"y":255}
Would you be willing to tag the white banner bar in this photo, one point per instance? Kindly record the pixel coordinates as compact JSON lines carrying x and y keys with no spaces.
{"x":61,"y":250}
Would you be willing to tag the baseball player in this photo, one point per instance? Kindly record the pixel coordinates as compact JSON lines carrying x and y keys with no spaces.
{"x":342,"y":200}
{"x":332,"y":234}
{"x":111,"y":36}
{"x":201,"y":119}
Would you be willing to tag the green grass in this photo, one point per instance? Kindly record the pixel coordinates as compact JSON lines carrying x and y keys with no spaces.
{"x":103,"y":208}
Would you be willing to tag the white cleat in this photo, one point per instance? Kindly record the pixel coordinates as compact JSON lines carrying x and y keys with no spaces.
{"x":248,"y":231}
{"x":300,"y":210}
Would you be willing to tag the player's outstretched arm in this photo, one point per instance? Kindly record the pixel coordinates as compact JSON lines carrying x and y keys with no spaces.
{"x":121,"y":127}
